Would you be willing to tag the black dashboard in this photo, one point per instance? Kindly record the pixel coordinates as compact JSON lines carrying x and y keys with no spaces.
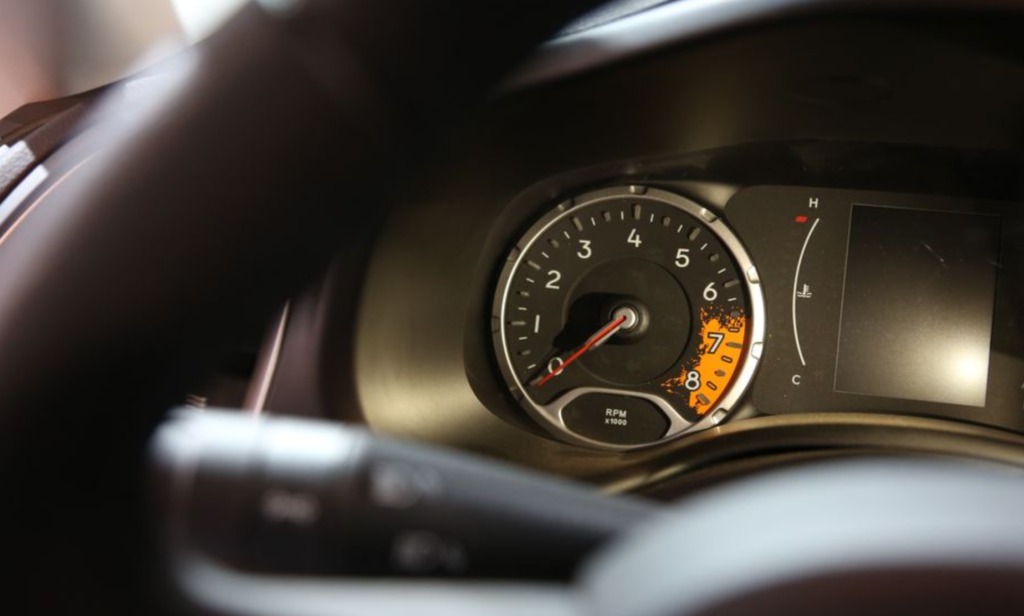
{"x":869,"y":169}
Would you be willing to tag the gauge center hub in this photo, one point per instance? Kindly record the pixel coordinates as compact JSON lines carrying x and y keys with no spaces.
{"x":630,"y":316}
{"x":660,"y":335}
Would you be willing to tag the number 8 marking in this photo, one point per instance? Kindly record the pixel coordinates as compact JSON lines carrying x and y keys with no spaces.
{"x":692,"y":380}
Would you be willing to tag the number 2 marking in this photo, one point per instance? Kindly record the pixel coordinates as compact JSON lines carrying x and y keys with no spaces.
{"x":555,"y":277}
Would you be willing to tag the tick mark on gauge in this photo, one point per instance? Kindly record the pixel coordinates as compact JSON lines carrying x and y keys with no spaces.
{"x":703,"y":399}
{"x":721,"y":271}
{"x":732,"y":283}
{"x":732,"y":299}
{"x":530,"y":280}
{"x":523,"y":293}
{"x":524,"y":353}
{"x":607,"y":216}
{"x":666,"y":221}
{"x":704,"y":246}
{"x":720,"y":374}
{"x":576,"y":223}
{"x":727,"y":359}
{"x":693,"y":234}
{"x":593,"y":223}
{"x":734,"y":345}
{"x":517,"y":323}
{"x":713,"y":257}
{"x":531,"y":366}
{"x":652,"y":218}
{"x":533,"y":264}
{"x":521,"y":338}
{"x":566,"y":234}
{"x":554,"y":243}
{"x":636,"y":211}
{"x":521,"y":309}
{"x":711,"y":385}
{"x":679,"y":229}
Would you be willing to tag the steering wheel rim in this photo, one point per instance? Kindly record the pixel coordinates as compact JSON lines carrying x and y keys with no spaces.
{"x":878,"y":535}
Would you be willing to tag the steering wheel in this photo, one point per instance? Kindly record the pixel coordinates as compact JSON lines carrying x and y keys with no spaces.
{"x":278,"y":143}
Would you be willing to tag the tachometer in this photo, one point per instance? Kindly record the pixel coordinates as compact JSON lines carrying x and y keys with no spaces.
{"x":628,"y":316}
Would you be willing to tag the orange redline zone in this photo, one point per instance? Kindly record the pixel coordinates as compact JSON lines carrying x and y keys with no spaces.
{"x":716,"y":363}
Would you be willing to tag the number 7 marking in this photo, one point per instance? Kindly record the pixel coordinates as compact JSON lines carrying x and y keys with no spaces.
{"x":718,"y":338}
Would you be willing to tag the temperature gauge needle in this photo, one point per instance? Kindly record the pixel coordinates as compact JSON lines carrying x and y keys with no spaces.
{"x":603,"y":334}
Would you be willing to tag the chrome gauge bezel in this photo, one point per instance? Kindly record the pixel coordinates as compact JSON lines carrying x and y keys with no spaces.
{"x":550,"y":416}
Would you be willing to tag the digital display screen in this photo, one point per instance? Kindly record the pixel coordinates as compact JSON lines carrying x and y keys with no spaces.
{"x":917,"y":306}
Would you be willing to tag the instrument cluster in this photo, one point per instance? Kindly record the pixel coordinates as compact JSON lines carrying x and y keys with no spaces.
{"x":628,"y":316}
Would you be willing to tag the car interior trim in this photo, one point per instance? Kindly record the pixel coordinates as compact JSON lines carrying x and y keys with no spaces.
{"x":664,"y":25}
{"x":266,"y":364}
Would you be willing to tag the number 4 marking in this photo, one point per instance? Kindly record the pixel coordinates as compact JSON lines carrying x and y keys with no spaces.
{"x":634,"y":238}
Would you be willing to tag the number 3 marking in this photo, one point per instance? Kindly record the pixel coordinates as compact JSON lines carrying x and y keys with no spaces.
{"x":584,"y":251}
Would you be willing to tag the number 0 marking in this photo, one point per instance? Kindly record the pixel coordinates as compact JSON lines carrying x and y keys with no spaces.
{"x":555,"y":365}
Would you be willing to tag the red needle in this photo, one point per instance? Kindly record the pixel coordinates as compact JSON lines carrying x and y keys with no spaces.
{"x":591,"y":342}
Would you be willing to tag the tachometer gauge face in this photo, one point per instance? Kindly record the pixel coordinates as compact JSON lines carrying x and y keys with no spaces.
{"x":627,"y":317}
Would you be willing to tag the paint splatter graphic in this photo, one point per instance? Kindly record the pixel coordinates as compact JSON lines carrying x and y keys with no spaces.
{"x":704,"y":379}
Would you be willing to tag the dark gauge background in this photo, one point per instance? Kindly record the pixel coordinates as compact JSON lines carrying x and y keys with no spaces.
{"x":891,"y":305}
{"x":610,"y":252}
{"x":918,"y":304}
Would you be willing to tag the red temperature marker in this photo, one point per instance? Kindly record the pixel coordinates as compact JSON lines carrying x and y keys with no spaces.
{"x":800,"y":219}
